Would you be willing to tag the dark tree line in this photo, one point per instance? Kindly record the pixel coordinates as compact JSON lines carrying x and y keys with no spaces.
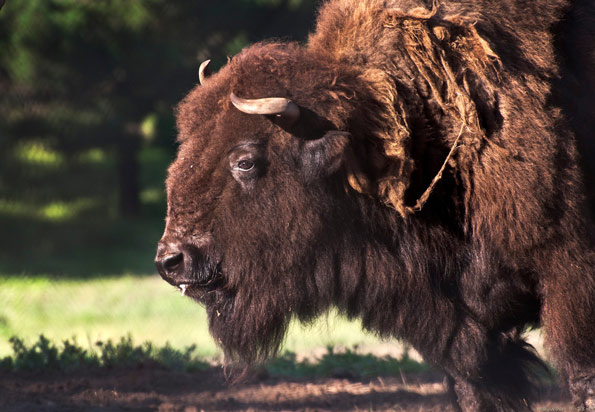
{"x":78,"y":74}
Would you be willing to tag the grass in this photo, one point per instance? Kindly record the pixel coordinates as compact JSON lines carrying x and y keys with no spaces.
{"x":145,"y":307}
{"x":89,"y":317}
{"x":100,"y":309}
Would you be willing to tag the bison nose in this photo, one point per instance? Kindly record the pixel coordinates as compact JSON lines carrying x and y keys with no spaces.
{"x":169,"y":262}
{"x":172,"y":262}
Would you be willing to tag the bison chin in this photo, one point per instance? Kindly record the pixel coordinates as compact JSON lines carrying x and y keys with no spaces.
{"x":248,"y":326}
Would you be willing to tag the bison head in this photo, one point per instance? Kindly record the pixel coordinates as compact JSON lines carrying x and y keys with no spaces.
{"x":258,"y":202}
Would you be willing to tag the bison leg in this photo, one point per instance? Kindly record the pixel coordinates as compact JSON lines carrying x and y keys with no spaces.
{"x":502,"y":383}
{"x":568,"y":320}
{"x":489,"y":371}
{"x":491,"y":364}
{"x":465,"y":396}
{"x":449,"y":384}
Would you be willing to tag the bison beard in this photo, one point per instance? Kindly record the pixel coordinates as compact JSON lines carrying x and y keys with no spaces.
{"x":412,"y":166}
{"x":248,"y":327}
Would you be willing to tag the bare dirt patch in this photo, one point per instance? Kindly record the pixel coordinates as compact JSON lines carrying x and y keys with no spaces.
{"x":151,"y":388}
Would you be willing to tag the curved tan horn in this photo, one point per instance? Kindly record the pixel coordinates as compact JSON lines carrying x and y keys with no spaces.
{"x":282,"y":108}
{"x":204,"y":71}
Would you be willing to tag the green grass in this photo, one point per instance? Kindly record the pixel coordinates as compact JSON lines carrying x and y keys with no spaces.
{"x":145,"y":307}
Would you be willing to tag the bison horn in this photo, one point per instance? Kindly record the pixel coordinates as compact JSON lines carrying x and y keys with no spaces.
{"x":283,"y":109}
{"x":204,"y":71}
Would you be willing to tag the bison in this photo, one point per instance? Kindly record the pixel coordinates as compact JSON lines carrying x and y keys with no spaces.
{"x":413,"y":165}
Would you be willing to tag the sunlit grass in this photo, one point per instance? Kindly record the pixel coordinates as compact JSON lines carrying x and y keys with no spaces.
{"x":38,"y":153}
{"x":146,"y":307}
{"x":148,"y":127}
{"x":94,"y":155}
{"x":56,"y":211}
{"x":152,"y":195}
{"x":100,"y":309}
{"x":16,"y":208}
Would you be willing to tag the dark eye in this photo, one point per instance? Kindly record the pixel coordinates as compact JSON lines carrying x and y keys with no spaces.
{"x":245,"y":165}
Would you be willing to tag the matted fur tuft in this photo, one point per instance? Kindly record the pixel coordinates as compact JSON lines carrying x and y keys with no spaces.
{"x":444,"y":50}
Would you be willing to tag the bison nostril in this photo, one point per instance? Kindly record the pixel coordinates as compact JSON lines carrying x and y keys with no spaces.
{"x":171,"y":262}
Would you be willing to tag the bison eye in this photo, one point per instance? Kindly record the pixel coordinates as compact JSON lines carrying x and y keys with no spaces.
{"x":244,"y":165}
{"x":247,"y":163}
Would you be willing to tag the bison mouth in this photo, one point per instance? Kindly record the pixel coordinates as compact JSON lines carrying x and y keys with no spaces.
{"x":196,"y":286}
{"x":191,"y":269}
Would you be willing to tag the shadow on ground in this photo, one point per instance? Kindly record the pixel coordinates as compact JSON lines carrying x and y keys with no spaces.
{"x":151,"y":388}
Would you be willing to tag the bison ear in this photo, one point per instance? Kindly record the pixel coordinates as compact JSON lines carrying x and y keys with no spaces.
{"x":324,"y":156}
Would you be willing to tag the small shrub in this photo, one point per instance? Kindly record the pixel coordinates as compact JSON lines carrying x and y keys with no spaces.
{"x":6,"y":363}
{"x":44,"y":355}
{"x":348,"y":363}
{"x":123,"y":353}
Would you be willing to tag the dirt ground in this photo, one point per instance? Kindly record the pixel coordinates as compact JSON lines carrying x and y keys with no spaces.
{"x":154,"y":389}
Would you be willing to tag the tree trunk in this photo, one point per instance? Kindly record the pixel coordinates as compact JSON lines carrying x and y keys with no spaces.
{"x":128,"y":167}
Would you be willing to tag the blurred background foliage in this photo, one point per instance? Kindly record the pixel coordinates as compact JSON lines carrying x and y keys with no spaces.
{"x":87,"y":92}
{"x":87,"y":96}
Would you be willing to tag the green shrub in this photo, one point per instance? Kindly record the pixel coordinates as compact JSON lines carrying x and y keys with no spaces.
{"x":44,"y":355}
{"x":344,"y":364}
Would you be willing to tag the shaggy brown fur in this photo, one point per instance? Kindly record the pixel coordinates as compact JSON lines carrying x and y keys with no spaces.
{"x":431,"y":189}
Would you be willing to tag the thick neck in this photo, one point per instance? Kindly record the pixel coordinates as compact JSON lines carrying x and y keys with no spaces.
{"x":384,"y":262}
